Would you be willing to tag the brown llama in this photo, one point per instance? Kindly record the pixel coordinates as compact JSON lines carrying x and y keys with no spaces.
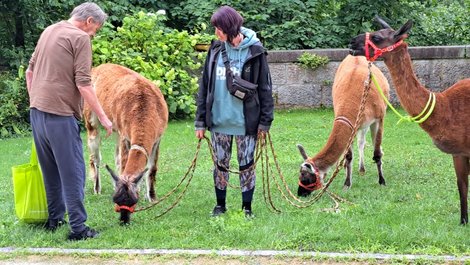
{"x":448,"y":125}
{"x":348,"y":88}
{"x":140,"y":116}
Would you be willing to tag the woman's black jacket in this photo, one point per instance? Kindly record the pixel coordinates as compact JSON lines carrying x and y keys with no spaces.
{"x":258,"y":109}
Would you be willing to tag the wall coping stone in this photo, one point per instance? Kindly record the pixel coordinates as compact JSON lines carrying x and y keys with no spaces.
{"x":417,"y":53}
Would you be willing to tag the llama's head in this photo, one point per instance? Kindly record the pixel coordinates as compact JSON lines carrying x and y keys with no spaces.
{"x":126,"y":194}
{"x":309,"y":176}
{"x":374,"y":44}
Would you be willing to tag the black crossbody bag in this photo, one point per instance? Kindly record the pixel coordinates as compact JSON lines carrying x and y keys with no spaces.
{"x":237,"y":86}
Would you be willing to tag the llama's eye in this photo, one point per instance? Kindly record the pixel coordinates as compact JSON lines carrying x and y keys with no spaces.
{"x":308,"y":168}
{"x":376,"y":38}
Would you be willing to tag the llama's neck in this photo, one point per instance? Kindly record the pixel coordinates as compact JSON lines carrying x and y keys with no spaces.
{"x":412,"y":95}
{"x":136,"y":163}
{"x":334,"y":148}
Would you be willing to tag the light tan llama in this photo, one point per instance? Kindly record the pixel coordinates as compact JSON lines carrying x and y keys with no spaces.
{"x":140,"y":116}
{"x":347,"y":94}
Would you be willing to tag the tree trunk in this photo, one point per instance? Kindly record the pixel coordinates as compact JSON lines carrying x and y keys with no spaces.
{"x":19,"y":29}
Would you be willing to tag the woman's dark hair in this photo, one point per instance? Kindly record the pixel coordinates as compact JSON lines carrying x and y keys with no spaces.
{"x":228,"y":20}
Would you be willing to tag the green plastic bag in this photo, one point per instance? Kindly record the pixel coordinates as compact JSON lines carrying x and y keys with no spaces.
{"x":30,"y":194}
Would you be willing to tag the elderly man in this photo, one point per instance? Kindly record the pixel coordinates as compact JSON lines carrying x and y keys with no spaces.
{"x":58,"y":79}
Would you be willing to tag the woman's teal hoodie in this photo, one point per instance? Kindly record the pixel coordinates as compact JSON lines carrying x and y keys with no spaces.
{"x":227,"y":110}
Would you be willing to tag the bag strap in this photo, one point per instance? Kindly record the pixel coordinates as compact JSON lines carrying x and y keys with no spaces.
{"x":225,"y":59}
{"x":34,"y":157}
{"x":228,"y":71}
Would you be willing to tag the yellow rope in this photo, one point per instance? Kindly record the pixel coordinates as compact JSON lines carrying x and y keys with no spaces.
{"x":427,"y":111}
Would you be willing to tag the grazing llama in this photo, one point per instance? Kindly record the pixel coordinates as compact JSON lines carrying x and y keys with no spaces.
{"x":347,"y":94}
{"x":448,"y":125}
{"x":140,"y":115}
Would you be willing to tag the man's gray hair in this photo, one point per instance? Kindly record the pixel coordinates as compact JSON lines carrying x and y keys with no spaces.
{"x":89,"y":9}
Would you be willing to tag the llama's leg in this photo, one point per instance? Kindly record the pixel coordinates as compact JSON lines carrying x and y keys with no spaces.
{"x":117,"y":159}
{"x":376,"y":131}
{"x":348,"y":167}
{"x":124,"y":146}
{"x":462,"y":170}
{"x":93,"y":136}
{"x":361,"y":143}
{"x":152,"y":164}
{"x":117,"y":156}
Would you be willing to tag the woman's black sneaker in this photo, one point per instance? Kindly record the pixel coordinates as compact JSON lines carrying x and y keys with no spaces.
{"x":53,"y":224}
{"x":248,"y":213}
{"x":85,"y":234}
{"x":218,"y":210}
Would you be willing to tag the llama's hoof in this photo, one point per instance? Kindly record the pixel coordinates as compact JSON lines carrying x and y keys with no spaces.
{"x":346,"y":187}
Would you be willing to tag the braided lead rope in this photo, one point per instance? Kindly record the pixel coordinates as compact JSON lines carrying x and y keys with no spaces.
{"x":296,"y":202}
{"x":190,"y":172}
{"x":265,"y":177}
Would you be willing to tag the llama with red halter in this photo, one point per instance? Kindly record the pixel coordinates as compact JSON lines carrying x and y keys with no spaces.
{"x":140,"y":116}
{"x":347,"y":94}
{"x":448,"y":125}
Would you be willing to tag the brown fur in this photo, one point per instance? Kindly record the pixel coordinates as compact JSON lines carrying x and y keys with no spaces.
{"x":347,"y":93}
{"x":449,"y":124}
{"x":139,"y":114}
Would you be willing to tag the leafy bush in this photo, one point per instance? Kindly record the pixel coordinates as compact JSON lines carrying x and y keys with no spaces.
{"x":164,"y":55}
{"x":14,"y":104}
{"x":279,"y":24}
{"x":312,"y":61}
{"x":190,"y":14}
{"x":296,"y":24}
{"x":444,"y":25}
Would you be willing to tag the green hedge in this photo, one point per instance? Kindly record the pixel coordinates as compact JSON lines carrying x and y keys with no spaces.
{"x":14,"y":104}
{"x":164,"y":55}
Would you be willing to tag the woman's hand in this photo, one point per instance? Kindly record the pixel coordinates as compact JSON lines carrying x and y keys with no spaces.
{"x":200,"y":134}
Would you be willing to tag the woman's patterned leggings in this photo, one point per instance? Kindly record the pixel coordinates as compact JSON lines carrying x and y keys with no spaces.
{"x":222,"y":145}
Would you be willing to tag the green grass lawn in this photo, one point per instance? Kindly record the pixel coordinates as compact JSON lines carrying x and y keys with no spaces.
{"x":417,"y":212}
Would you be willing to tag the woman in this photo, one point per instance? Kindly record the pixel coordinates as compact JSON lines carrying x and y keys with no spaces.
{"x":228,"y":117}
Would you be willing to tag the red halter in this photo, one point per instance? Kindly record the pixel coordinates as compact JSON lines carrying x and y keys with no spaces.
{"x":312,"y":186}
{"x":118,"y":208}
{"x":377,"y":50}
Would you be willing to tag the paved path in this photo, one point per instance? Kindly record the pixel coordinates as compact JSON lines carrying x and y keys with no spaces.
{"x":194,"y":255}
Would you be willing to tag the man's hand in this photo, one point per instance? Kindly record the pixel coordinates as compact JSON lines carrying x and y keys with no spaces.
{"x":107,"y":124}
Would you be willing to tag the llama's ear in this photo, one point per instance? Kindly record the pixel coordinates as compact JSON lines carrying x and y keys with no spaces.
{"x":404,"y":29}
{"x":302,"y":151}
{"x":111,"y":172}
{"x":139,"y":177}
{"x":381,"y":22}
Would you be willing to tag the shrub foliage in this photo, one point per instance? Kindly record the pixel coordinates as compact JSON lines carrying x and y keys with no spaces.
{"x":164,"y":55}
{"x":161,"y":49}
{"x":312,"y":61}
{"x":14,"y":104}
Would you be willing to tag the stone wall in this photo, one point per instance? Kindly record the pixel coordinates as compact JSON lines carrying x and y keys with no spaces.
{"x":437,"y":68}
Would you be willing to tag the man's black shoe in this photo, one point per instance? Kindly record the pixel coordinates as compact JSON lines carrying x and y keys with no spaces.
{"x":53,"y":224}
{"x":85,"y":234}
{"x":218,"y":210}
